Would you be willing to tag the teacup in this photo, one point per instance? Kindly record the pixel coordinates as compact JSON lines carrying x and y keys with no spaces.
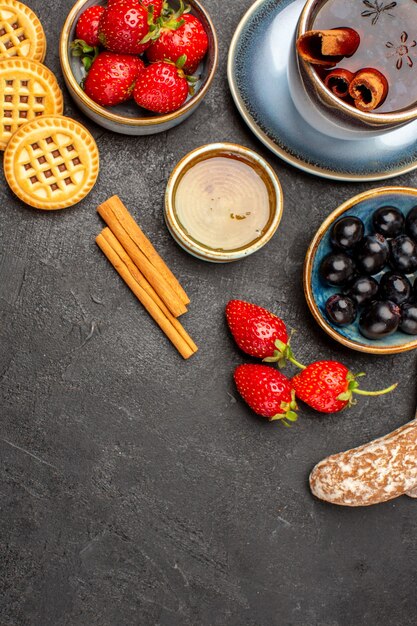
{"x":329,"y":114}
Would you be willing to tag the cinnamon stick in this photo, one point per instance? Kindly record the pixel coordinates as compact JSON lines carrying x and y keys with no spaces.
{"x":327,"y":47}
{"x":134,"y":231}
{"x":338,"y":81}
{"x":154,"y":311}
{"x":155,"y":278}
{"x":368,"y":88}
{"x":141,"y":280}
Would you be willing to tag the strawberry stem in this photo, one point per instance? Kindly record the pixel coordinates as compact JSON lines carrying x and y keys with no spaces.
{"x":85,"y":52}
{"x":169,"y":20}
{"x":180,"y":62}
{"x":154,"y":29}
{"x":353,"y":387}
{"x":296,"y":363}
{"x":289,"y":412}
{"x":362,"y":392}
{"x":282,"y":354}
{"x":183,"y":8}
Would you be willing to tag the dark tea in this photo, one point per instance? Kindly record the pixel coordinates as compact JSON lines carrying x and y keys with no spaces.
{"x":388,"y":43}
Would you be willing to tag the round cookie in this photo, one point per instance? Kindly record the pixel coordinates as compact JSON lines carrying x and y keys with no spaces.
{"x":51,"y":162}
{"x":27,"y":90}
{"x":21,"y":33}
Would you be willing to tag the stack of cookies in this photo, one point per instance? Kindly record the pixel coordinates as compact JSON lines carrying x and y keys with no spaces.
{"x":50,"y":161}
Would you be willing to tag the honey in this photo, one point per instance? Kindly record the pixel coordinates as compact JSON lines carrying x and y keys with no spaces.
{"x":388,"y":43}
{"x":224,"y":202}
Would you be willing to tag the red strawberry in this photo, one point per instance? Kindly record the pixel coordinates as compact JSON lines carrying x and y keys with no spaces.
{"x":327,"y":386}
{"x":112,"y":77}
{"x":182,"y":35}
{"x":267,"y":391}
{"x":122,"y":27}
{"x":87,"y":25}
{"x":161,"y":88}
{"x":258,"y":332}
{"x":157,"y":5}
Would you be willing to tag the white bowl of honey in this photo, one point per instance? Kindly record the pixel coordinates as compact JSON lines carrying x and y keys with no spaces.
{"x":223,"y":202}
{"x":386,"y":46}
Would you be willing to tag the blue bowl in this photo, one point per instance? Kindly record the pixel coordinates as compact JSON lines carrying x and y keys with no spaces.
{"x":317,"y":293}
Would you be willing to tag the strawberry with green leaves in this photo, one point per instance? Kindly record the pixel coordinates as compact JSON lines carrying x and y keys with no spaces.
{"x":162,"y":87}
{"x":112,"y":77}
{"x":180,"y":34}
{"x":328,"y":386}
{"x":88,"y":24}
{"x":267,"y":392}
{"x":87,"y":53}
{"x":258,"y":332}
{"x":123,"y":26}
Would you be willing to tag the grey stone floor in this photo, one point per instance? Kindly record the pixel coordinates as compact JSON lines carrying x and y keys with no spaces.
{"x":136,"y":489}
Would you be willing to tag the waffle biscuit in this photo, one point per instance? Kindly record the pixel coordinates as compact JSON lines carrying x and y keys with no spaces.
{"x":21,"y":33}
{"x":27,"y":90}
{"x":51,"y":162}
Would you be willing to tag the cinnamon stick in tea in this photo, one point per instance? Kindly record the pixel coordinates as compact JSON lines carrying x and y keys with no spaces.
{"x":338,"y":81}
{"x":368,"y":88}
{"x":155,"y":278}
{"x":154,"y":311}
{"x":123,"y":216}
{"x":327,"y":47}
{"x":141,"y":280}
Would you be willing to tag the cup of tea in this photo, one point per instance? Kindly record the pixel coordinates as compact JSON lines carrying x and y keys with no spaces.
{"x":353,"y":66}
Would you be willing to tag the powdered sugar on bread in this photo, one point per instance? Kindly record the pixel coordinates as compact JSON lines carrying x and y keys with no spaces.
{"x":374,"y":472}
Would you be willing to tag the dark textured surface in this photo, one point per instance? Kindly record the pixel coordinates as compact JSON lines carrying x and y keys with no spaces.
{"x":136,"y":489}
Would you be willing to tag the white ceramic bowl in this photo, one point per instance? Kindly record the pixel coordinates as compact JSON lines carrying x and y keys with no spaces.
{"x":325,"y":111}
{"x":259,"y":164}
{"x":128,"y":118}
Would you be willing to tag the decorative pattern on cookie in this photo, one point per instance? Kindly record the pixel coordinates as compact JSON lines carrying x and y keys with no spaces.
{"x":21,"y":33}
{"x":27,"y":90}
{"x":51,"y":162}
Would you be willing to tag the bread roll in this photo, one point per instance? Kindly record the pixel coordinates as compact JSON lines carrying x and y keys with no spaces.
{"x":375,"y":472}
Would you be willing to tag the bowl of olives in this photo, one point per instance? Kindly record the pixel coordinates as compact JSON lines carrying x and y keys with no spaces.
{"x":360,"y":272}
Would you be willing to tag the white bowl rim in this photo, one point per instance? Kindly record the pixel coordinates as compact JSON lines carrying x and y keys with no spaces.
{"x":115,"y":117}
{"x":183,"y":238}
{"x":397,"y":117}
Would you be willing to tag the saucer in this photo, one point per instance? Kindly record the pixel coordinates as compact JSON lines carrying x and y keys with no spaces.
{"x":258,"y":79}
